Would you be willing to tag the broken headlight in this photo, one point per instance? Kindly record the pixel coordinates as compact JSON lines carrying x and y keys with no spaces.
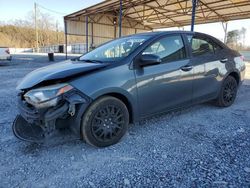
{"x":47,"y":96}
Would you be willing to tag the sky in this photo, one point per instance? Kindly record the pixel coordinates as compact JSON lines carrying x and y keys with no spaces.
{"x":19,"y":9}
{"x":216,"y":29}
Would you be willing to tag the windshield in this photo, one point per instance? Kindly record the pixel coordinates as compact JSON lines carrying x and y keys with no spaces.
{"x":115,"y":50}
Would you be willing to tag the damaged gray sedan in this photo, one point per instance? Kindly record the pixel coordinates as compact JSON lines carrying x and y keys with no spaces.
{"x":97,"y":95}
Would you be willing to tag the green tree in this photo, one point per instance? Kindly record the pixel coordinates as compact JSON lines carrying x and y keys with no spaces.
{"x":233,"y":37}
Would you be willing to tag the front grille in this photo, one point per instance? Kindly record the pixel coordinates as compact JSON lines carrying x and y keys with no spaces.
{"x":28,"y":112}
{"x":21,"y":95}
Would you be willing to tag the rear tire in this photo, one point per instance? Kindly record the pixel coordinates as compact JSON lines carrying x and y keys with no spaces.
{"x":105,"y":122}
{"x":228,"y":92}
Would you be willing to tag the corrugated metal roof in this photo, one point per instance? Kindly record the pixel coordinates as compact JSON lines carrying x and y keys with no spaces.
{"x":169,"y":13}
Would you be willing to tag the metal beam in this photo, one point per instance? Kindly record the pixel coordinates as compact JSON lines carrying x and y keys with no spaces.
{"x":224,"y":25}
{"x":213,"y":19}
{"x":205,"y":12}
{"x":163,"y":16}
{"x":113,"y":6}
{"x":92,"y":35}
{"x":207,"y":6}
{"x":161,"y":8}
{"x":120,"y":19}
{"x":206,"y":9}
{"x":194,"y":3}
{"x":115,"y":32}
{"x":212,"y":10}
{"x":124,"y":26}
{"x":87,"y":33}
{"x":95,"y":36}
{"x":66,"y":39}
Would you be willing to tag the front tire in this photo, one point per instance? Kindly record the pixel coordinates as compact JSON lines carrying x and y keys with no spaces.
{"x":105,"y":122}
{"x":228,"y":92}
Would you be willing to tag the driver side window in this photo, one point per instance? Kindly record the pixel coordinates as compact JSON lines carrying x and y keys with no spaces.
{"x":169,"y":49}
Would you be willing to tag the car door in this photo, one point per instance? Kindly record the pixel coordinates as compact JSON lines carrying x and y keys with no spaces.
{"x":166,"y":85}
{"x":206,"y":64}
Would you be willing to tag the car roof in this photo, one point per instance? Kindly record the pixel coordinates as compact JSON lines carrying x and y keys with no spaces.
{"x":160,"y":33}
{"x":154,"y":33}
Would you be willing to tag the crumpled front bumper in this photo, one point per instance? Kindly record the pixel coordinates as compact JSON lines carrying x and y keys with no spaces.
{"x":27,"y":132}
{"x":40,"y":125}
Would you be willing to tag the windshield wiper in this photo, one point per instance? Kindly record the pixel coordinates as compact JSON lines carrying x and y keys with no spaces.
{"x":91,"y":60}
{"x":75,"y":59}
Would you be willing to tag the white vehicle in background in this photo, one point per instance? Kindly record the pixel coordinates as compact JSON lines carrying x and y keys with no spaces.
{"x":5,"y":54}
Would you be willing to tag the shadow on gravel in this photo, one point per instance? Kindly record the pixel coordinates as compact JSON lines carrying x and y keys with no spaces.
{"x":29,"y":148}
{"x":196,"y":132}
{"x":5,"y":64}
{"x":197,"y":135}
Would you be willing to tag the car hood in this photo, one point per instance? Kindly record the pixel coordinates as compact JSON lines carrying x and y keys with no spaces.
{"x":57,"y":71}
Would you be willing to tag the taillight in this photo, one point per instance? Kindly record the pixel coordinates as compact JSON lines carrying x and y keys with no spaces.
{"x":7,"y":51}
{"x":242,"y":58}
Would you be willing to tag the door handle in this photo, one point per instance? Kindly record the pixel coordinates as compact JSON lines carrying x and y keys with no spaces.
{"x":224,"y":60}
{"x":187,"y":68}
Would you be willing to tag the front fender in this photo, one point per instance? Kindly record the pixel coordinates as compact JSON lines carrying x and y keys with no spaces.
{"x":117,"y":80}
{"x":118,"y":92}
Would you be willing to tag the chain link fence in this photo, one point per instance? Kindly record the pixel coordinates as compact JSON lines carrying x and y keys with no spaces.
{"x":77,"y":48}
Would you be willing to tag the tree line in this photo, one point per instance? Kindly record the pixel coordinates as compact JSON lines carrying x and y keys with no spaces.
{"x":236,"y":39}
{"x":22,"y":33}
{"x":25,"y":37}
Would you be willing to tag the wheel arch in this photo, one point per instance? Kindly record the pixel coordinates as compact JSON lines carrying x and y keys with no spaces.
{"x":125,"y":97}
{"x":126,"y":101}
{"x":236,"y":76}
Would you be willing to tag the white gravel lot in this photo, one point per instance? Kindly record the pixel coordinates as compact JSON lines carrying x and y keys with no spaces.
{"x":201,"y":146}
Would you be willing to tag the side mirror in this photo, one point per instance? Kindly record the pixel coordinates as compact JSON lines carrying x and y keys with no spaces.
{"x":149,"y":59}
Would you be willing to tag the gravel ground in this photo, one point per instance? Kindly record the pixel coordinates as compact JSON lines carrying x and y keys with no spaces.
{"x":201,"y":146}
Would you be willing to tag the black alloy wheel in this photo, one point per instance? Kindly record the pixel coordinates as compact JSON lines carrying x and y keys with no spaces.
{"x":228,"y":92}
{"x":105,"y":122}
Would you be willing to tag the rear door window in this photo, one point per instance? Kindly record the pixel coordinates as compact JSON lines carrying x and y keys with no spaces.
{"x":200,"y":46}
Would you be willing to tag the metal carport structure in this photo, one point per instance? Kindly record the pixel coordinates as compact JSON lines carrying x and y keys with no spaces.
{"x":113,"y":18}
